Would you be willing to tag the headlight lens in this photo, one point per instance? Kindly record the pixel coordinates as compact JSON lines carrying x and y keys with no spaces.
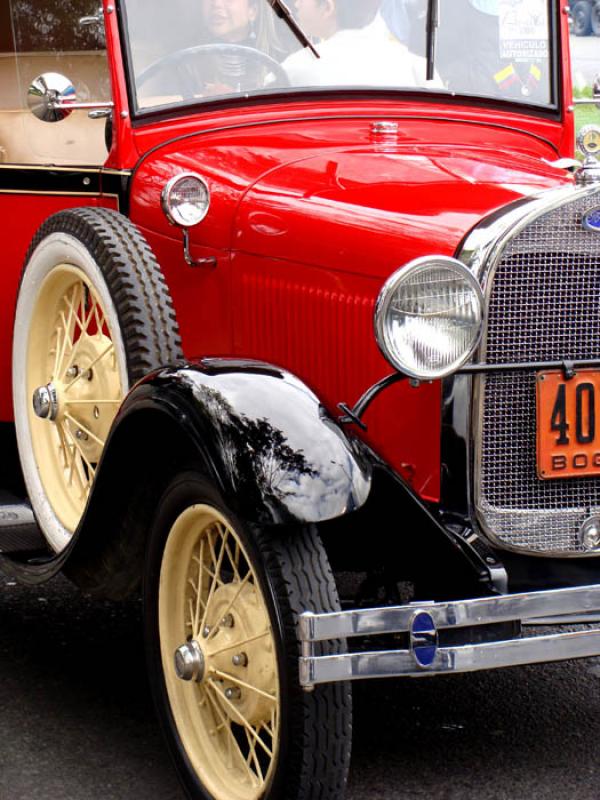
{"x":428,"y":317}
{"x":186,"y":199}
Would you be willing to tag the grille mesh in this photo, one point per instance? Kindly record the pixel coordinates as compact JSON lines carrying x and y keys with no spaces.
{"x":544,"y":305}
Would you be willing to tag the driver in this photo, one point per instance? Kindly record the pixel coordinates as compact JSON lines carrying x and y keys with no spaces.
{"x":240,"y":24}
{"x":243,"y":22}
{"x":356,"y":47}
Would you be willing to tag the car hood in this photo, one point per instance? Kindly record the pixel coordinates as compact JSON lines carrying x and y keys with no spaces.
{"x":375,"y":206}
{"x":328,"y":192}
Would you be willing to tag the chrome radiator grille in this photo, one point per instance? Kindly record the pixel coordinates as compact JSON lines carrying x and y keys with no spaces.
{"x":544,"y":305}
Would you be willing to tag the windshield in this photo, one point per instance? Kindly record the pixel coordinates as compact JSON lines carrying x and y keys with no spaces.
{"x":190,"y":51}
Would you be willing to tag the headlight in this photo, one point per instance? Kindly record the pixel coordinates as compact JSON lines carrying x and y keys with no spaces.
{"x":428,"y":317}
{"x":185,"y":199}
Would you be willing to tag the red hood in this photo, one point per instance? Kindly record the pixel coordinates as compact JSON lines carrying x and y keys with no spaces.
{"x":372,"y":205}
{"x":324,"y":191}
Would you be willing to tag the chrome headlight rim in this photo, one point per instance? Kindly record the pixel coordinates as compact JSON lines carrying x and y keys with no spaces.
{"x":167,"y":205}
{"x":385,"y":298}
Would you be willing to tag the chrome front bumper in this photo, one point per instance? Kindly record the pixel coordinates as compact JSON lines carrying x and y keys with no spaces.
{"x":422,"y":622}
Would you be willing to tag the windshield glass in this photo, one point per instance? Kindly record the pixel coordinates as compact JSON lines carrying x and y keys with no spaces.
{"x":189,"y":51}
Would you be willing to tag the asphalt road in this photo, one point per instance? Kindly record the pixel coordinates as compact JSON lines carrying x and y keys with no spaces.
{"x":76,"y":720}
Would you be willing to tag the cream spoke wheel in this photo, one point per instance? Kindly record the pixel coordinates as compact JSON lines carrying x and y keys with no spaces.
{"x":85,"y":330}
{"x":80,"y":373}
{"x":222,"y":600}
{"x":212,"y":604}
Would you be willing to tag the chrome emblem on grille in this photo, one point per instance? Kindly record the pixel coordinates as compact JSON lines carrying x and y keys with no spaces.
{"x":591,"y":220}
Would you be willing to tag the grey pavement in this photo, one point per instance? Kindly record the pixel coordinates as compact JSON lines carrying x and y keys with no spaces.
{"x":76,"y":720}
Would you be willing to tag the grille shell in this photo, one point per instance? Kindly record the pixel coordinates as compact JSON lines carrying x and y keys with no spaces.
{"x":544,"y":305}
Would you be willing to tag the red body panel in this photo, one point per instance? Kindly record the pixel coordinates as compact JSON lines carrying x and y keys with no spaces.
{"x":307,"y":220}
{"x":309,"y":215}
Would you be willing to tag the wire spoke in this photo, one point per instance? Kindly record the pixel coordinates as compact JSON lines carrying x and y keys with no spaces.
{"x":99,"y":315}
{"x":67,"y":325}
{"x":253,"y":757}
{"x":90,"y":366}
{"x":82,"y":336}
{"x":241,"y":644}
{"x":231,"y":603}
{"x":199,"y":588}
{"x":56,"y":354}
{"x":231,"y":740}
{"x":84,"y":458}
{"x":76,"y":466}
{"x":242,"y":719}
{"x":234,"y":563}
{"x":214,"y":583}
{"x":228,"y":677}
{"x":85,"y":429}
{"x":75,"y":304}
{"x":64,"y":445}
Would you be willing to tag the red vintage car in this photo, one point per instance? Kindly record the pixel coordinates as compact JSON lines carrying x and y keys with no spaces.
{"x":300,"y":335}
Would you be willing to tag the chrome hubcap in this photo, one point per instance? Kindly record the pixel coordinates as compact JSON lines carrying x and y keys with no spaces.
{"x":45,"y":402}
{"x":189,"y":662}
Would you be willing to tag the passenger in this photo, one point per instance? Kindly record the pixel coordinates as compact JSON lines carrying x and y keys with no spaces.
{"x":356,"y":48}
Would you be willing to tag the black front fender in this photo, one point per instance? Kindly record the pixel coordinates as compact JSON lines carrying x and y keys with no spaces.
{"x":260,"y":434}
{"x":256,"y":431}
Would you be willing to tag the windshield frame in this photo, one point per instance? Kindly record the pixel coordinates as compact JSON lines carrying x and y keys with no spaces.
{"x":552,"y":111}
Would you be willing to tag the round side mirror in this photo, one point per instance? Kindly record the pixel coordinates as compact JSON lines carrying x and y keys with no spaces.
{"x":50,"y":96}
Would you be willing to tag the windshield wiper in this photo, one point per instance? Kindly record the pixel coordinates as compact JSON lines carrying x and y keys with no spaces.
{"x":433,"y":22}
{"x":283,"y":12}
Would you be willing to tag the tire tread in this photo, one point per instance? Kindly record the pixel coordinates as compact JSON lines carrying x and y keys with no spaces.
{"x":306,"y":583}
{"x":134,"y":279}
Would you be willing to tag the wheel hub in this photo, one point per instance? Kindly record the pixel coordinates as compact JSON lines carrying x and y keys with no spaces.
{"x":69,"y":399}
{"x":189,"y":662}
{"x":225,"y":650}
{"x":45,"y":402}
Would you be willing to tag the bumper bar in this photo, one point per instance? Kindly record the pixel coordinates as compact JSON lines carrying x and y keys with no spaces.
{"x":422,"y":621}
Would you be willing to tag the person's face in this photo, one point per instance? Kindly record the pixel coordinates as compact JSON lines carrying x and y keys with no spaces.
{"x":316,"y":17}
{"x":229,"y":20}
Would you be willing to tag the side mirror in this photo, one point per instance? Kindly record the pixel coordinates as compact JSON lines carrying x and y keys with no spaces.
{"x":51,"y":97}
{"x":596,"y":90}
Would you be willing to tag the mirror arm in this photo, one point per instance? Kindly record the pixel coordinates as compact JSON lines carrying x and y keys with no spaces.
{"x":77,"y":106}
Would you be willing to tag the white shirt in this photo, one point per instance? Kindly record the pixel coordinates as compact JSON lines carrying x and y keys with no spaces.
{"x":369,"y":56}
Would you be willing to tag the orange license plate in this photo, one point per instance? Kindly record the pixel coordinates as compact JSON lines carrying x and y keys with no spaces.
{"x":568,"y":424}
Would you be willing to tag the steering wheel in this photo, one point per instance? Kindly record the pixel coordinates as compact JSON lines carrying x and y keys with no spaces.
{"x":232,"y":61}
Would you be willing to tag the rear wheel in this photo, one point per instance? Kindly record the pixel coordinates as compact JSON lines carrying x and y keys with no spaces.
{"x":221,"y":606}
{"x":582,"y":18}
{"x":93,"y":316}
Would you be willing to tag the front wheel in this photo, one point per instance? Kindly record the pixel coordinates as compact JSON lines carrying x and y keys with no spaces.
{"x":221,"y":606}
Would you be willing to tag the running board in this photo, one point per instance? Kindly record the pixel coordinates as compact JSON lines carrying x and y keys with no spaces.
{"x":19,"y":532}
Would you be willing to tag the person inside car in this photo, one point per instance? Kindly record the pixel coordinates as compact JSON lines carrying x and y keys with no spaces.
{"x":343,"y":28}
{"x":244,"y":23}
